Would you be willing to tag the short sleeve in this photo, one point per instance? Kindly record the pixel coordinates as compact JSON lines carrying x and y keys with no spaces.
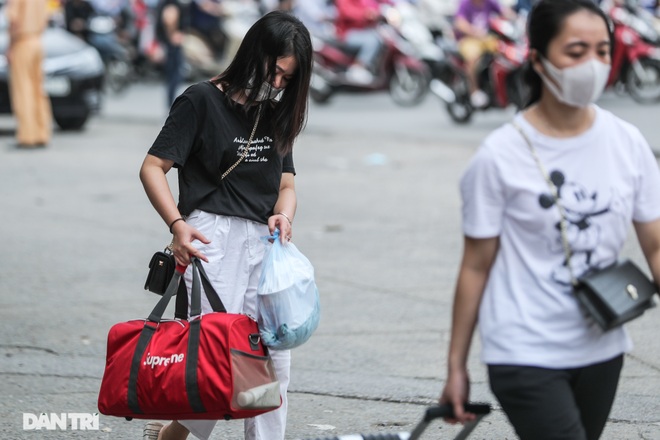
{"x":482,"y":194}
{"x":287,"y":164}
{"x":647,"y":199}
{"x":177,"y":137}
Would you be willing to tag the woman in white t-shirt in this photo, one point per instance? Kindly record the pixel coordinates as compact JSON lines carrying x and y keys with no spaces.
{"x":553,"y":371}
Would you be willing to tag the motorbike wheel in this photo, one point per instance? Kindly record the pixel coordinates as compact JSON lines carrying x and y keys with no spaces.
{"x":71,"y":122}
{"x":117,"y":75}
{"x":644,"y":91}
{"x":320,"y":91}
{"x":408,"y":86}
{"x":460,"y":111}
{"x":319,"y":96}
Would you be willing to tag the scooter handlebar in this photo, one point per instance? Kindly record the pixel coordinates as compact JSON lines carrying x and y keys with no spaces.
{"x":447,"y":410}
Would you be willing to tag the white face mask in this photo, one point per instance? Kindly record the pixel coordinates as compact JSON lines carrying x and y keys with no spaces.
{"x":579,"y":85}
{"x":267,"y":92}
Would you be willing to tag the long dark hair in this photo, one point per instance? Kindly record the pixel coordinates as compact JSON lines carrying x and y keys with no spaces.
{"x":275,"y":35}
{"x":545,"y":22}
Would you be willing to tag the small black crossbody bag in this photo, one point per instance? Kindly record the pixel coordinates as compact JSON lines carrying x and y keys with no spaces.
{"x":613,"y":295}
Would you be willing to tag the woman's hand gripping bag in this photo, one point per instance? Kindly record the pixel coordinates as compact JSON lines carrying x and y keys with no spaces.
{"x":287,"y":296}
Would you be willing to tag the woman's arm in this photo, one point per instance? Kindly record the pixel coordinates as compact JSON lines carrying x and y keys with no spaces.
{"x":648,"y":235}
{"x":285,"y":208}
{"x":478,"y":257}
{"x":152,"y":175}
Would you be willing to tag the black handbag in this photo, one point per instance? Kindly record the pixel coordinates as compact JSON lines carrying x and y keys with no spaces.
{"x":161,"y":271}
{"x":613,"y":295}
{"x":616,"y":294}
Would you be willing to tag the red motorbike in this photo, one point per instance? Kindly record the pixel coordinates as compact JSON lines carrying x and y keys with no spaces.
{"x":399,"y":69}
{"x":499,"y":74}
{"x":636,"y":53}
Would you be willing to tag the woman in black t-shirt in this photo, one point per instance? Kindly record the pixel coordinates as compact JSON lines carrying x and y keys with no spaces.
{"x":231,"y":139}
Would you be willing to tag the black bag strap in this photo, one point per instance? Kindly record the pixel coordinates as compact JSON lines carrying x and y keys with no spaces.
{"x":143,"y":341}
{"x":554,"y":191}
{"x":158,"y":311}
{"x":145,"y":337}
{"x":192,"y":385}
{"x":211,"y":295}
{"x":176,"y":285}
{"x":181,"y":309}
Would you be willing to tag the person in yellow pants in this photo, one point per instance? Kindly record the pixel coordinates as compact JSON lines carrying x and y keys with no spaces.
{"x":30,"y":104}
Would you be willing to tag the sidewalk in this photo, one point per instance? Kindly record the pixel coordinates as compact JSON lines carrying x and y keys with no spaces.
{"x":378,"y":217}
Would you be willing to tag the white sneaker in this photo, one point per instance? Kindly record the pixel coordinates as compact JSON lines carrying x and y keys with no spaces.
{"x":479,"y":99}
{"x":151,"y":430}
{"x":359,"y":75}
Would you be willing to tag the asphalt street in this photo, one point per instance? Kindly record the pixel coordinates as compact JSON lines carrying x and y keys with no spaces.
{"x":379,"y":217}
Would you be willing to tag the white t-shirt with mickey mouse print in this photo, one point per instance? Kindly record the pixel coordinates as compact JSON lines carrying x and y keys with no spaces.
{"x":607,"y":177}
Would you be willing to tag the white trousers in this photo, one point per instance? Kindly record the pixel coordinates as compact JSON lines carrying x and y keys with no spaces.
{"x":235,"y":255}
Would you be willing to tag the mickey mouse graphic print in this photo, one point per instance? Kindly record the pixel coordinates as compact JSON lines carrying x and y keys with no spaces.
{"x":581,"y":207}
{"x":607,"y":177}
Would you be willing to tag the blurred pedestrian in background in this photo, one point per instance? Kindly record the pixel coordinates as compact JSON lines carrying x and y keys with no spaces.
{"x":77,"y":14}
{"x":317,"y":15}
{"x":553,"y":370}
{"x":436,"y":15}
{"x":220,"y":218}
{"x":266,"y":6}
{"x":121,"y":11}
{"x":472,"y":31}
{"x":172,"y":21}
{"x":356,"y":26}
{"x":206,"y":17}
{"x":30,"y":104}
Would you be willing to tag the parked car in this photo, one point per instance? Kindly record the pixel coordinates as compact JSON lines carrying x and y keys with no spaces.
{"x":73,"y":77}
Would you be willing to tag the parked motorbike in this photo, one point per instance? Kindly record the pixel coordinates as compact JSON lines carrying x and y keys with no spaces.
{"x":116,"y":58}
{"x":399,"y":69}
{"x":636,"y":53}
{"x":435,"y":50}
{"x":499,"y":74}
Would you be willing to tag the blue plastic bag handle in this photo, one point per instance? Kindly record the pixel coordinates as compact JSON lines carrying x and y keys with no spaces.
{"x":273,"y":237}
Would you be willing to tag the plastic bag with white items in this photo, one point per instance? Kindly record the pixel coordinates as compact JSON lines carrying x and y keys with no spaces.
{"x":287,"y":296}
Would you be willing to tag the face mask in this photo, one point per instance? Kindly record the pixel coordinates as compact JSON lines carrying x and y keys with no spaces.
{"x":579,"y":85}
{"x":266,"y":92}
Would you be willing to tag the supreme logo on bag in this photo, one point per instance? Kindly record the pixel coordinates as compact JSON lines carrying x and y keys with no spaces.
{"x":212,"y":367}
{"x":164,"y":361}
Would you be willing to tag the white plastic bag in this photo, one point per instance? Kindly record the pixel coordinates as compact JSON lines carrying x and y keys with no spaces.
{"x":287,"y":296}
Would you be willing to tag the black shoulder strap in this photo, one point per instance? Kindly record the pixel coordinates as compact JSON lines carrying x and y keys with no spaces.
{"x":181,"y":310}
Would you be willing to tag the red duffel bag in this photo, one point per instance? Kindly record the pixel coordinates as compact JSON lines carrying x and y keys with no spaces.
{"x":212,"y":366}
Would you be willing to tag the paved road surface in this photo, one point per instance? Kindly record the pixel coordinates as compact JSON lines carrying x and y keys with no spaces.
{"x":378,"y":216}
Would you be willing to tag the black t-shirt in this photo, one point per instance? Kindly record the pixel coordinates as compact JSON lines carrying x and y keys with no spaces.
{"x":204,"y":136}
